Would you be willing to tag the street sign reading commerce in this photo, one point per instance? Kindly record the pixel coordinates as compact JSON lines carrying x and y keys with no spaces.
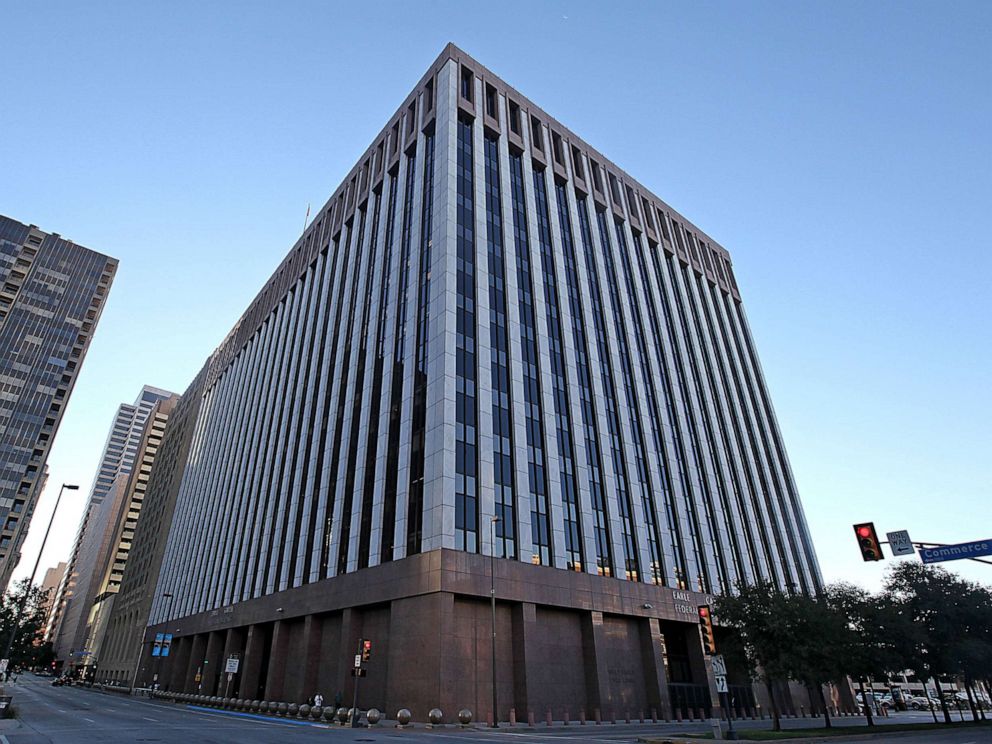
{"x":956,"y":552}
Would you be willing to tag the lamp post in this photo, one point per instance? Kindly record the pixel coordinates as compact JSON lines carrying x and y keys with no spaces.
{"x":16,"y":624}
{"x":492,"y":598}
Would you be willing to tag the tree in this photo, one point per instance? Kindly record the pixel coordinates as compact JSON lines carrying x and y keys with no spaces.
{"x":866,"y":647}
{"x":765,"y":629}
{"x":931,"y":621}
{"x":27,"y":649}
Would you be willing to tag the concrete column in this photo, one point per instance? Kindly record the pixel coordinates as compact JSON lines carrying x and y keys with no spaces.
{"x":213,"y":665}
{"x":197,"y":648}
{"x":702,"y":668}
{"x":175,"y":674}
{"x":233,"y":643}
{"x":251,"y":662}
{"x":312,"y":636}
{"x":655,"y":666}
{"x":593,"y":654}
{"x":524,"y":624}
{"x":274,"y":681}
{"x":349,"y":644}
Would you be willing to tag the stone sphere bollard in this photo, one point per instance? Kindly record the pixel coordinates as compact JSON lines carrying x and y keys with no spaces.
{"x":303,"y":711}
{"x":329,"y":714}
{"x":373,"y":716}
{"x":283,"y":709}
{"x":315,"y":712}
{"x":342,"y":714}
{"x":263,"y":706}
{"x":293,"y":710}
{"x":435,"y":716}
{"x":464,"y":716}
{"x":228,"y":702}
{"x":403,"y":716}
{"x":254,"y":705}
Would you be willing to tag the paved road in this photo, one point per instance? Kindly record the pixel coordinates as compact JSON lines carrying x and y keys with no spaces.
{"x":68,"y":715}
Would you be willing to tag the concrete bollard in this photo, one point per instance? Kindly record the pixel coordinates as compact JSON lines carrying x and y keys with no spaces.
{"x":641,"y":716}
{"x":654,"y":715}
{"x":565,"y":721}
{"x":582,"y":717}
{"x":547,"y":718}
{"x":293,"y":710}
{"x":530,"y":718}
{"x":435,"y":716}
{"x":597,"y":714}
{"x":626,"y":718}
{"x":678,"y":715}
{"x":403,"y":717}
{"x":373,"y":716}
{"x":329,"y":713}
{"x":303,"y":711}
{"x":513,"y":716}
{"x":316,"y":712}
{"x":282,"y":710}
{"x":464,"y":716}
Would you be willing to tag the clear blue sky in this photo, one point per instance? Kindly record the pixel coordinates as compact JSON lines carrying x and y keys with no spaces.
{"x":839,"y":150}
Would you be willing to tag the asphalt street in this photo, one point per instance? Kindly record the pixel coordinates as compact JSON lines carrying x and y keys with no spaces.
{"x":70,"y":715}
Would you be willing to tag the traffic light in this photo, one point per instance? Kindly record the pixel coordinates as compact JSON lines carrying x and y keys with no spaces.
{"x":871,"y":548}
{"x":366,"y":650}
{"x":706,"y":629}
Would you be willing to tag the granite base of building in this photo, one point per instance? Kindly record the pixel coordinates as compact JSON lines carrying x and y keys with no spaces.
{"x":567,"y":643}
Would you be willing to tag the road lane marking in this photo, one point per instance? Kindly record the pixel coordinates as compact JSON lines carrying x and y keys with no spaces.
{"x":155,"y":720}
{"x":90,"y":720}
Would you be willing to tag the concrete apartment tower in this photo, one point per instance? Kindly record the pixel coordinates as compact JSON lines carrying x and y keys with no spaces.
{"x":110,"y":493}
{"x":492,"y":349}
{"x":52,"y":293}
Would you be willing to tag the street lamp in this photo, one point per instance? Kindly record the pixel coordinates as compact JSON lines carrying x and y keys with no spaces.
{"x":16,"y":625}
{"x":492,"y":597}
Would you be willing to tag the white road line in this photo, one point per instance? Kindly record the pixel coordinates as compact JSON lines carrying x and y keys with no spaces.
{"x":4,"y":739}
{"x":90,"y":720}
{"x":154,"y":720}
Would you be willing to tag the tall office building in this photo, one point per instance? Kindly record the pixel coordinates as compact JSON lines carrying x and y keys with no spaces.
{"x":52,"y":293}
{"x":491,"y":341}
{"x":126,"y":624}
{"x":110,"y":563}
{"x":70,"y":613}
{"x":50,"y":584}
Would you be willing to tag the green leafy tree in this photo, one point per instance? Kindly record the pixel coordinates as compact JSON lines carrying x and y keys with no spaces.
{"x":930,"y":624}
{"x":765,"y":633}
{"x":27,"y":649}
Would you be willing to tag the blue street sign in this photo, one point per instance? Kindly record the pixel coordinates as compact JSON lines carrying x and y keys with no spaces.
{"x":956,"y":552}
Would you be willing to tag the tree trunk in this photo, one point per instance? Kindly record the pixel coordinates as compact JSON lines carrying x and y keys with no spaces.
{"x":776,"y":719}
{"x":943,"y":703}
{"x":930,"y":702}
{"x":866,"y":703}
{"x":971,"y":700}
{"x":826,"y":710}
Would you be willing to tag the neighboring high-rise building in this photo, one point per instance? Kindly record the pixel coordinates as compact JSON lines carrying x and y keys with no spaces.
{"x":50,"y":584}
{"x":52,"y":293}
{"x":127,"y":620}
{"x":491,"y":341}
{"x":70,"y":614}
{"x":110,"y":564}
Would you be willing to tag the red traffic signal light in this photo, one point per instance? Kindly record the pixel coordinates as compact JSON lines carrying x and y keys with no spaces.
{"x":706,"y":629}
{"x":871,"y":548}
{"x":366,"y":650}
